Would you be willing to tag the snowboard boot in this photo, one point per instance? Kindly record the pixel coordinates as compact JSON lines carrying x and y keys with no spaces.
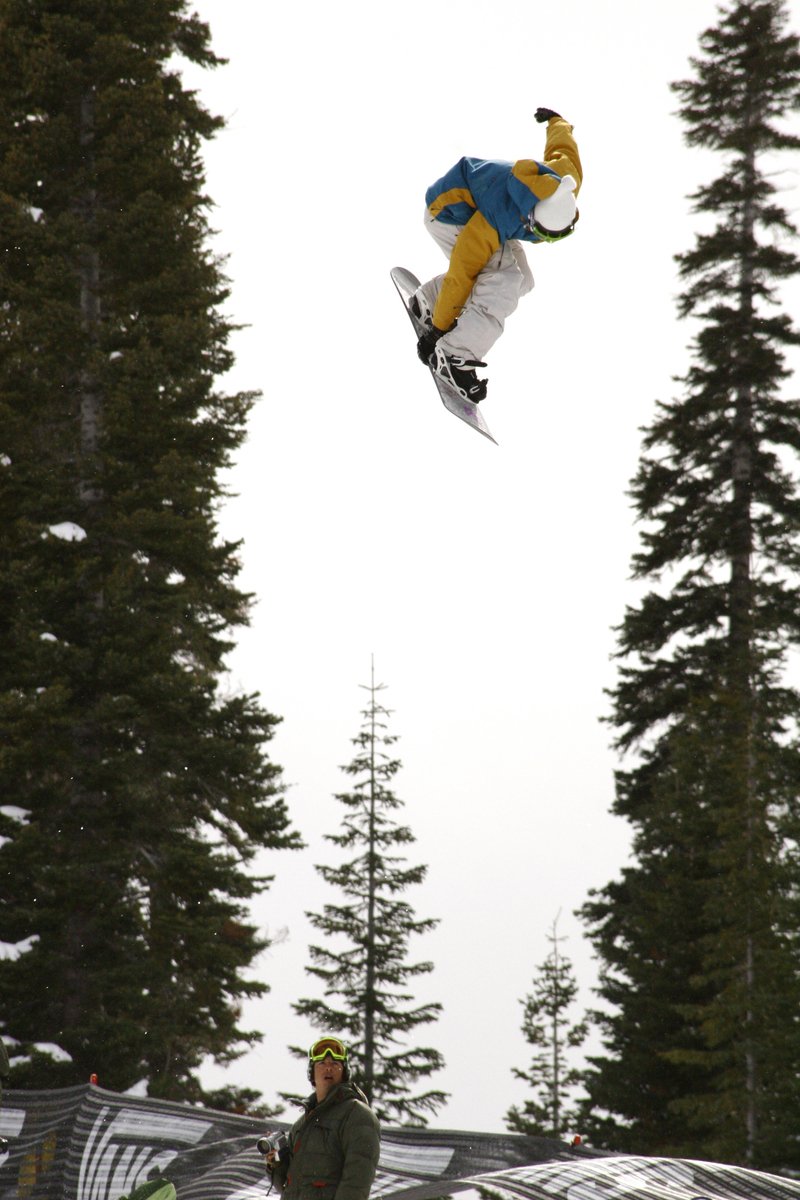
{"x":460,"y":372}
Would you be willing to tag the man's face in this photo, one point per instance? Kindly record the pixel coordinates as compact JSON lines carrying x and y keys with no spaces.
{"x":327,"y":1075}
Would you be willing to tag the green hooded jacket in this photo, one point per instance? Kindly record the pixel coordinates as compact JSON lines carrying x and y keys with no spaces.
{"x":333,"y":1149}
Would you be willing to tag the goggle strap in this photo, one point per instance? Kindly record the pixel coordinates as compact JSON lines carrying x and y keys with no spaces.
{"x":547,"y":236}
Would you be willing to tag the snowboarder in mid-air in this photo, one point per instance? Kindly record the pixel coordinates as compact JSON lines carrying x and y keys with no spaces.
{"x":479,"y":213}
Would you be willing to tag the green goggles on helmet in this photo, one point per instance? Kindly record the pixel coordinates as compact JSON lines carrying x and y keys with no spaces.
{"x":547,"y":235}
{"x":328,"y":1046}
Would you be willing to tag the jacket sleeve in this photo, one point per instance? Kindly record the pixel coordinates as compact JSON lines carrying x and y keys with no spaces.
{"x":475,"y":245}
{"x":560,"y":155}
{"x":561,"y":150}
{"x":279,"y":1172}
{"x":361,"y":1146}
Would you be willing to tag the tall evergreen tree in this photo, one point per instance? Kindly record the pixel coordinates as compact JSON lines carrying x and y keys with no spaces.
{"x":136,"y":790}
{"x":549,"y":1029}
{"x":699,"y":938}
{"x":365,"y":959}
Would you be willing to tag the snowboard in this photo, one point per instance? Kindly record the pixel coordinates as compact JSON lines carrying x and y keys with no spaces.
{"x":452,"y":399}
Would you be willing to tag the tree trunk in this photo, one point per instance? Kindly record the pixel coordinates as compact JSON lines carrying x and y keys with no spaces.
{"x":370,"y":999}
{"x":741,"y":637}
{"x":89,"y":277}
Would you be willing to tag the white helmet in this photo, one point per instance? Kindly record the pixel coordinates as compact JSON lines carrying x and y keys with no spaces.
{"x":557,"y":213}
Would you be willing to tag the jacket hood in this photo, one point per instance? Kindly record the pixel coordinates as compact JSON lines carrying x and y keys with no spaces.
{"x":345,"y":1091}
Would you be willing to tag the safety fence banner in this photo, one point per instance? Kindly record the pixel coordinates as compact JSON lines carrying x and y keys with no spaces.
{"x":85,"y":1143}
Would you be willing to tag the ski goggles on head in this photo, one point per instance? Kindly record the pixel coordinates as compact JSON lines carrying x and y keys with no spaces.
{"x":326,"y":1046}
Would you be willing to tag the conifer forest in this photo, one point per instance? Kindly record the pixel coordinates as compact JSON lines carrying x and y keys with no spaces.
{"x":145,"y":814}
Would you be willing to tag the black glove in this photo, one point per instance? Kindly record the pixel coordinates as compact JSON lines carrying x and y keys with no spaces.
{"x":427,"y":343}
{"x":544,"y":114}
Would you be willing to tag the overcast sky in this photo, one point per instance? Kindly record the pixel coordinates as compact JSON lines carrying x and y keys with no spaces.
{"x":485,"y":580}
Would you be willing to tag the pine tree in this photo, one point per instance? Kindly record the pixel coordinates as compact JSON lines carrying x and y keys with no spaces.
{"x":136,"y":791}
{"x":700,"y":937}
{"x":548,"y":1029}
{"x":369,"y":970}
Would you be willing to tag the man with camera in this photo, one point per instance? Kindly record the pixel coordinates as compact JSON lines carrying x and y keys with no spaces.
{"x":331,"y":1151}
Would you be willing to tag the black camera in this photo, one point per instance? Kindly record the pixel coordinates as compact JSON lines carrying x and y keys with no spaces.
{"x":273,"y":1141}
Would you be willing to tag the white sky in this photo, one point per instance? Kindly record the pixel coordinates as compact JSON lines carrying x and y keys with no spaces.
{"x":485,"y":580}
